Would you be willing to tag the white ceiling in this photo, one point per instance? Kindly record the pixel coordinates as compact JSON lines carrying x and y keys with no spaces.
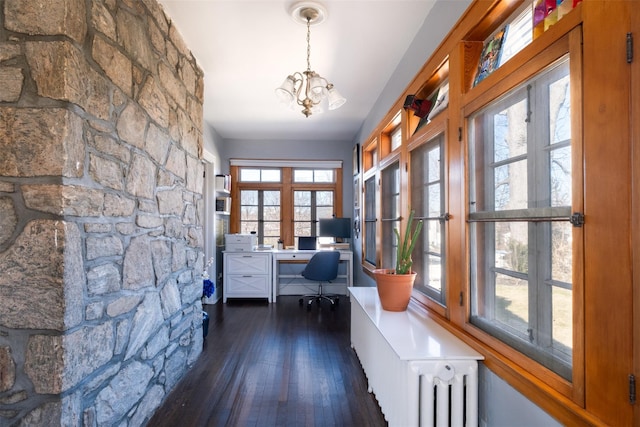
{"x":246,"y":48}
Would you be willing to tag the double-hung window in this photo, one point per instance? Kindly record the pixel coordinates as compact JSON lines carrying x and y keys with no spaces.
{"x":520,"y":219}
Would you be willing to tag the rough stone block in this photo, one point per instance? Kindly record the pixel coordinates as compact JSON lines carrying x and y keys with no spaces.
{"x":8,"y":219}
{"x":141,"y":177}
{"x":123,"y":393}
{"x":106,"y":172}
{"x":173,"y":86}
{"x":7,"y":369}
{"x":137,"y":270}
{"x":42,"y":279}
{"x":117,"y":205}
{"x":109,"y":146}
{"x":170,"y":202}
{"x":132,"y":124}
{"x":61,"y":72}
{"x":47,"y":17}
{"x":157,"y":143}
{"x":122,"y":305}
{"x":102,"y":20}
{"x":64,"y":200}
{"x":108,"y":246}
{"x":170,"y":296}
{"x":11,"y":80}
{"x":153,"y":100}
{"x":133,"y":36}
{"x":103,"y":279}
{"x":176,"y":162}
{"x":40,"y":142}
{"x":146,"y":321}
{"x":9,"y":50}
{"x":116,"y":65}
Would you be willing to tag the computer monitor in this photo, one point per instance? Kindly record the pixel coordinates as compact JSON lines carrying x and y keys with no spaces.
{"x":338,"y":228}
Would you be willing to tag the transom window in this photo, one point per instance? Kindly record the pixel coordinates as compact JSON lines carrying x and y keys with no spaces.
{"x":313,"y":175}
{"x":520,"y":210}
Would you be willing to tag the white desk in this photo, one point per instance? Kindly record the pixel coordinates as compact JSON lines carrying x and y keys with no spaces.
{"x":287,"y":255}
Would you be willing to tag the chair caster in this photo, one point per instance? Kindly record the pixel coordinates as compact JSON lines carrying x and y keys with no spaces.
{"x":300,"y":301}
{"x":309,"y":305}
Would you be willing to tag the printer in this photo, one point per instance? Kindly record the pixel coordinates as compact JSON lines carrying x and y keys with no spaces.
{"x":240,"y":242}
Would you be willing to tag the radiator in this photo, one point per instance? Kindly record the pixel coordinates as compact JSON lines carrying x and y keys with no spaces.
{"x":420,"y":374}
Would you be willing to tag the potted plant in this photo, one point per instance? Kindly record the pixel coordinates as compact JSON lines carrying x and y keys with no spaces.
{"x":395,"y":285}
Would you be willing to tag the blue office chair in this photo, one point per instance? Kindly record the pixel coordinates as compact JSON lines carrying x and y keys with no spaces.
{"x":322,"y":267}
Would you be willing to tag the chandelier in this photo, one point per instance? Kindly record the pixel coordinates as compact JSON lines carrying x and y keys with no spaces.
{"x":309,"y":89}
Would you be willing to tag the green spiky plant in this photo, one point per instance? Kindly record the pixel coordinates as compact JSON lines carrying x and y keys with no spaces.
{"x":405,"y":247}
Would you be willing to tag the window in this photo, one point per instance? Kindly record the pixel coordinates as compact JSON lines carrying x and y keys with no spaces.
{"x":520,"y":209}
{"x":281,"y":200}
{"x":390,"y":194}
{"x":370,"y":220}
{"x":310,"y":175}
{"x":427,"y":191}
{"x":259,"y":175}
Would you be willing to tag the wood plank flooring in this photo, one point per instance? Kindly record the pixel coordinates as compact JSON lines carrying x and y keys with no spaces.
{"x":273,"y":365}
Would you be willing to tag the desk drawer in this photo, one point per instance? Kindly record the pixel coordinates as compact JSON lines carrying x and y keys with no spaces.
{"x":247,"y":286}
{"x":245,"y":263}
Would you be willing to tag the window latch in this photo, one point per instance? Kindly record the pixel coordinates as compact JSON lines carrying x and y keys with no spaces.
{"x":444,"y":217}
{"x":577,"y":219}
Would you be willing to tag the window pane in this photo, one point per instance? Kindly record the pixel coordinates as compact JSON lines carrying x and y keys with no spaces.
{"x":510,"y":186}
{"x":324,"y":198}
{"x":249,"y":197}
{"x":249,"y":175}
{"x":561,"y":176}
{"x":396,"y":138}
{"x":512,"y":303}
{"x":271,"y":198}
{"x":302,"y":213}
{"x":249,"y":213}
{"x":302,"y":175}
{"x":246,"y":227}
{"x":512,"y":246}
{"x":562,"y":321}
{"x":510,"y":131}
{"x":302,"y":198}
{"x":271,"y":175}
{"x":561,"y":252}
{"x":272,"y":213}
{"x":323,"y":175}
{"x":560,"y":110}
{"x":324,"y":212}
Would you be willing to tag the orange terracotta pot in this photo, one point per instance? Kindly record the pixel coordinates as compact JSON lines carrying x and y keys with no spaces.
{"x":394,"y":290}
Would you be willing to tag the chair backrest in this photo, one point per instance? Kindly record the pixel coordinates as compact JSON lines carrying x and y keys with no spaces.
{"x":322,"y":266}
{"x":306,"y":243}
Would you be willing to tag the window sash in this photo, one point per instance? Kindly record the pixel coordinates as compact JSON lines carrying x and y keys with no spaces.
{"x":520,"y":235}
{"x":427,"y":200}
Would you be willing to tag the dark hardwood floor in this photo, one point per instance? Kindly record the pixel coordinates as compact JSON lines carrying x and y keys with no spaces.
{"x":273,"y":365}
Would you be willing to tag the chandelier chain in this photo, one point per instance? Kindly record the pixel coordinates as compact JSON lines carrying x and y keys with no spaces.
{"x":308,"y":43}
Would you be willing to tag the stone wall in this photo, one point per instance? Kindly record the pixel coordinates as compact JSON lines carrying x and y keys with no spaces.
{"x":100,"y":211}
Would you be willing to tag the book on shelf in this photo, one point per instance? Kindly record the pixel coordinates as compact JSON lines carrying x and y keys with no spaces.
{"x":490,"y":57}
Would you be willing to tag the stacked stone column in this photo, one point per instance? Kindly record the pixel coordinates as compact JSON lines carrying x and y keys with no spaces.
{"x":100,"y":211}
